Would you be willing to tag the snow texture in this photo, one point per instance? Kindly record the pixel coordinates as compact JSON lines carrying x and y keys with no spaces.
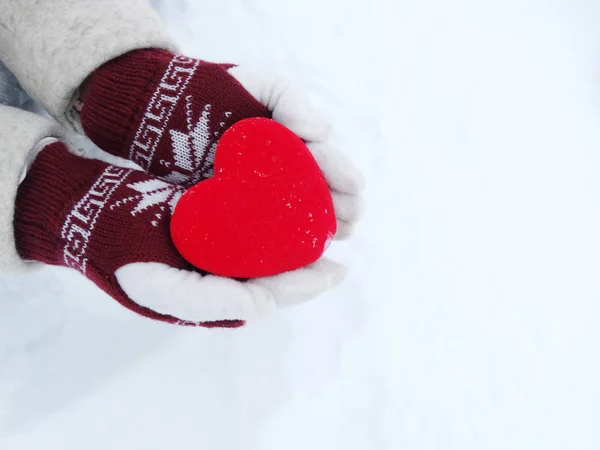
{"x":470,"y":318}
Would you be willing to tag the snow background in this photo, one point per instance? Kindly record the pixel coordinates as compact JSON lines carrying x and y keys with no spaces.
{"x":470,"y":317}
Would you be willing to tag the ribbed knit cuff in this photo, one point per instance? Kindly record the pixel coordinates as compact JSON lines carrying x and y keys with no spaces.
{"x":52,"y":185}
{"x":118,"y":95}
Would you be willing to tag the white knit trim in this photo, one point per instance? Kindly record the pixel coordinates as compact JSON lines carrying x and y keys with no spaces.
{"x":290,"y":107}
{"x":81,"y":221}
{"x":189,"y":296}
{"x":287,"y":102}
{"x":159,"y":110}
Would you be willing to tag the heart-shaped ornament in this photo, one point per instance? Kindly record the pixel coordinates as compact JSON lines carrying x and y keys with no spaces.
{"x":266,"y":211}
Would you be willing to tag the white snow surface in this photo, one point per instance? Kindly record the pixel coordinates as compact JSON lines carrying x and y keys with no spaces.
{"x":470,"y":319}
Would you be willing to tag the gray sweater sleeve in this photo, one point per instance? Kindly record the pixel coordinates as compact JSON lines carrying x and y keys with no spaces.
{"x":53,"y":45}
{"x":20,"y":131}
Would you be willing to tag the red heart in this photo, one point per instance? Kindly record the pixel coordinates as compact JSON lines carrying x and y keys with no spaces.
{"x":266,"y":211}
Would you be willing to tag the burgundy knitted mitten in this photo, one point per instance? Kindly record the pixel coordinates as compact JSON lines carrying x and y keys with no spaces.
{"x":112,"y":225}
{"x":165,"y":112}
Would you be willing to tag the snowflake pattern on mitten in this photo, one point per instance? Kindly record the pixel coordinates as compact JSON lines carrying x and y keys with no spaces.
{"x":97,"y":218}
{"x":165,"y":112}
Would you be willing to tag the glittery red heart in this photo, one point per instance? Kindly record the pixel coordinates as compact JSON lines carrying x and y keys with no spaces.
{"x":267,"y":210}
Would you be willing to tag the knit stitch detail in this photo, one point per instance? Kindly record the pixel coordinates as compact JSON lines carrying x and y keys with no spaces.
{"x":165,"y":112}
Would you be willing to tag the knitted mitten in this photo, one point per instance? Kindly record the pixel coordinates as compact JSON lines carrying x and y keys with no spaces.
{"x":166,"y":113}
{"x":112,"y":225}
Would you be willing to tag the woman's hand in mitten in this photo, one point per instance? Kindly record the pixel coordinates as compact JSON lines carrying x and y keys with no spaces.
{"x":112,"y":225}
{"x":166,"y":112}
